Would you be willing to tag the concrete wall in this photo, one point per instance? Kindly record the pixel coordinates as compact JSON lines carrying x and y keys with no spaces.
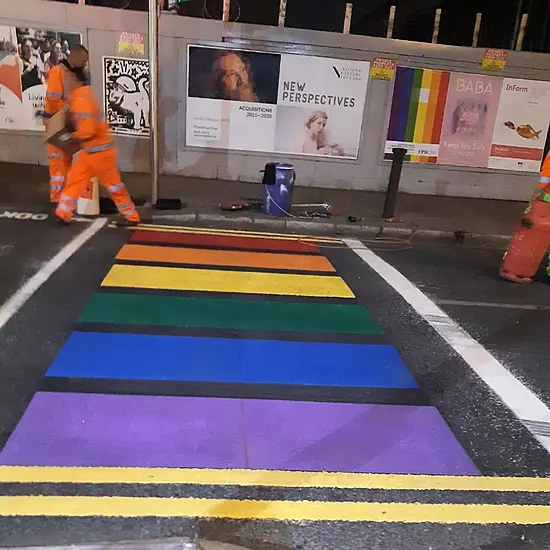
{"x":99,"y":27}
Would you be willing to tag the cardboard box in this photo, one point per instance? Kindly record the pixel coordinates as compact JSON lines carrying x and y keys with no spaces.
{"x":59,"y":134}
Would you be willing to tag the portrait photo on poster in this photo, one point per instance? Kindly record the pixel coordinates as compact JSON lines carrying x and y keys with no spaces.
{"x":233,"y":75}
{"x":27,"y":56}
{"x":126,"y":95}
{"x":317,"y":131}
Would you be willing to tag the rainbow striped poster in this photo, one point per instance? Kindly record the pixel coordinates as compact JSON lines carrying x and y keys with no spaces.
{"x":417,"y":110}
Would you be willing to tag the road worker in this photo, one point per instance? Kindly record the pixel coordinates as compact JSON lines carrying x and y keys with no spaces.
{"x":544,"y":179}
{"x":97,"y":155}
{"x":56,"y":99}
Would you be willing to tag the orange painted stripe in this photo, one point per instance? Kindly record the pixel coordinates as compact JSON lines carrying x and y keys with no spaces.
{"x":229,"y":258}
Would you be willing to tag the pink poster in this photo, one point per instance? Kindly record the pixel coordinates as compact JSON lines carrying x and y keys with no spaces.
{"x":470,"y":114}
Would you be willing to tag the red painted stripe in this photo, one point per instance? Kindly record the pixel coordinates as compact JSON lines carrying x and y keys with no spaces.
{"x":440,"y":106}
{"x":223,"y":241}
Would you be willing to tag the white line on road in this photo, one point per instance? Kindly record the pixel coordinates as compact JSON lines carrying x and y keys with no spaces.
{"x":467,"y":303}
{"x":519,"y":399}
{"x":16,"y":302}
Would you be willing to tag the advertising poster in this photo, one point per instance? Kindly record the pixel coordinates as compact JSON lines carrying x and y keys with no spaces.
{"x":470,"y":113}
{"x":494,"y":60}
{"x":31,"y":54}
{"x":382,"y":69}
{"x":416,"y":116}
{"x":126,"y":95}
{"x":257,"y":101}
{"x":521,"y":125}
{"x":131,"y":44}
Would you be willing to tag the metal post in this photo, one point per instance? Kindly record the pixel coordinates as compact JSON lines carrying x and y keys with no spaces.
{"x":393,"y":183}
{"x":437,"y":20}
{"x":347,"y":18}
{"x":516,"y":25}
{"x":477,"y":28}
{"x":391,"y":20}
{"x":521,"y":34}
{"x":282,"y":13}
{"x":226,"y":9}
{"x":153,"y":96}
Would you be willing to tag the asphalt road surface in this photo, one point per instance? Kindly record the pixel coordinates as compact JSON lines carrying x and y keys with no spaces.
{"x":198,"y":383}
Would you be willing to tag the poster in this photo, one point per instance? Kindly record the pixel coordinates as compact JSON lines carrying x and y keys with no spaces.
{"x":257,"y":101}
{"x":461,"y":119}
{"x":494,"y":60}
{"x":26,"y":57}
{"x":131,"y":44}
{"x":521,"y":125}
{"x":470,"y":113}
{"x":382,"y":69}
{"x":126,"y":95}
{"x":416,"y":116}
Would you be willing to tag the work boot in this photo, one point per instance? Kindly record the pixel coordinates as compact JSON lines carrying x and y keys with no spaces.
{"x":61,"y":221}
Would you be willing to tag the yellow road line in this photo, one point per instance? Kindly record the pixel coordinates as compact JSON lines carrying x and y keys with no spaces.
{"x":243,"y":282}
{"x":232,"y":232}
{"x":268,"y":478}
{"x":240,"y":232}
{"x":129,"y":507}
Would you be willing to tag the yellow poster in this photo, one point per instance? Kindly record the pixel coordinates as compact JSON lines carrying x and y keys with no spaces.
{"x":494,"y":60}
{"x":131,"y":43}
{"x":382,"y":69}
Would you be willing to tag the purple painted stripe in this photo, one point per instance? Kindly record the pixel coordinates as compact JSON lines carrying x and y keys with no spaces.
{"x":401,"y":103}
{"x":63,"y":429}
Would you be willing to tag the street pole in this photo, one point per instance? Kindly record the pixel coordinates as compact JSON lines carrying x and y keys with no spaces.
{"x":153,"y":28}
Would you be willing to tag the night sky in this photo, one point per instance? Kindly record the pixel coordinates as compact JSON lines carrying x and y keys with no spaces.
{"x":414,"y":18}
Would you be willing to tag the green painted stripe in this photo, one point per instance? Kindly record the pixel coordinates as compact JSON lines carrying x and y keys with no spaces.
{"x":413,"y":106}
{"x":135,"y":309}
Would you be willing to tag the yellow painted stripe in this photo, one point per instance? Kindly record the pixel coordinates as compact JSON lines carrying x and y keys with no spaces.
{"x":244,"y":282}
{"x":257,"y":234}
{"x":269,"y":478}
{"x":421,"y":113}
{"x":129,"y":507}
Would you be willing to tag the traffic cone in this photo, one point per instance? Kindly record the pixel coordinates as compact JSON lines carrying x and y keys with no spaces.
{"x":529,"y":244}
{"x":88,"y":202}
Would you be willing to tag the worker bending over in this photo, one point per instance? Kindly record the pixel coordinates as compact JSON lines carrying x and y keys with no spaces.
{"x":97,"y":155}
{"x":57,"y":96}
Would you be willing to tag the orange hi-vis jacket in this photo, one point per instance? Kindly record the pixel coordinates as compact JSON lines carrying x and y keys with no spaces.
{"x":91,"y":128}
{"x":544,"y":179}
{"x":56,"y":91}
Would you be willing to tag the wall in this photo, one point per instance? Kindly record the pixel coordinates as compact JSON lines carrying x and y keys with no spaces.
{"x":99,"y":27}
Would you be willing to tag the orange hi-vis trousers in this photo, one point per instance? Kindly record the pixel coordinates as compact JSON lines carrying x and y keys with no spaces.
{"x":59,"y":164}
{"x":102,"y":165}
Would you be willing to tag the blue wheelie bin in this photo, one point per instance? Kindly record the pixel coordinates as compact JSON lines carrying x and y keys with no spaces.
{"x":278,"y":183}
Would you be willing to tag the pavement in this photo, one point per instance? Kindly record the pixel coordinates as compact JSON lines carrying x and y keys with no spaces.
{"x":268,"y":390}
{"x":414,"y":215}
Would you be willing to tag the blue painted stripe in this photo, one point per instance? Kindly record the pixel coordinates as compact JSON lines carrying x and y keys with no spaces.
{"x":155,"y":357}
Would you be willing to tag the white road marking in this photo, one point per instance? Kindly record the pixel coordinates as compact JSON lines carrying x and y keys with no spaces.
{"x":468,"y":303}
{"x":531,"y":411}
{"x":17,"y":300}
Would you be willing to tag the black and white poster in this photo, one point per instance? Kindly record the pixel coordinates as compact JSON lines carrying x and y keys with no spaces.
{"x":126,"y":95}
{"x":259,"y":101}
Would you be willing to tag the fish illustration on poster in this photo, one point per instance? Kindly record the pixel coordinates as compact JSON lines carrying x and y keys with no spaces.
{"x":126,"y":95}
{"x":470,"y":113}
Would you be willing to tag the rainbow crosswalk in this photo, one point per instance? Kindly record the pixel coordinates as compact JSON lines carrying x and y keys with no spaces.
{"x":227,"y":351}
